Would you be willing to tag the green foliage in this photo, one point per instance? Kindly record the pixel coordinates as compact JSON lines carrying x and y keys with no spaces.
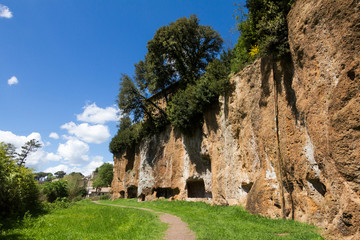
{"x":264,"y":26}
{"x":39,"y":175}
{"x":60,"y":174}
{"x":55,"y":190}
{"x":86,"y":220}
{"x":76,"y":185}
{"x":29,"y":147}
{"x":19,"y":192}
{"x":128,"y":135}
{"x":105,"y":197}
{"x":272,"y":29}
{"x":180,"y":52}
{"x":105,"y":176}
{"x":187,"y":106}
{"x":130,"y":99}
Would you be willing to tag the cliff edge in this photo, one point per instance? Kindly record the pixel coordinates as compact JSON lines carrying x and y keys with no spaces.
{"x":284,"y":141}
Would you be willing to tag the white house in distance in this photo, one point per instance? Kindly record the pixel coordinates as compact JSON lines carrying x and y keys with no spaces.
{"x":92,"y":191}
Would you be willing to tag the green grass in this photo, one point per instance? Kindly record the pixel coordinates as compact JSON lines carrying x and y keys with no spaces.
{"x":86,"y":220}
{"x":221,"y":222}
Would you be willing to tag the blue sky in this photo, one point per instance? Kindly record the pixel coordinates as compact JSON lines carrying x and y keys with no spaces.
{"x":60,"y":64}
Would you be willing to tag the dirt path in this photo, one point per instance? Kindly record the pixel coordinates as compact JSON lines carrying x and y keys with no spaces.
{"x":178,"y":230}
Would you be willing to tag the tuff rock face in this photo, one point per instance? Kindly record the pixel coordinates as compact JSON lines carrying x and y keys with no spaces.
{"x":284,"y":141}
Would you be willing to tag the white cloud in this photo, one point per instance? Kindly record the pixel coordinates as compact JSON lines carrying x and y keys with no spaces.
{"x":53,"y":157}
{"x":74,"y":151}
{"x":13,"y":80}
{"x":34,"y":159}
{"x":86,"y":170}
{"x":5,"y":12}
{"x":95,"y":114}
{"x":18,"y":141}
{"x":71,"y":156}
{"x":54,"y":135}
{"x":60,"y":167}
{"x":88,"y":133}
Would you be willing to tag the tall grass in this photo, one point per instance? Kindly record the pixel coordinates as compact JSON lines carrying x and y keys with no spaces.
{"x":220,"y":222}
{"x":86,"y":220}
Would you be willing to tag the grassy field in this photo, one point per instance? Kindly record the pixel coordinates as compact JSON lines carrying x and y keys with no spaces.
{"x":86,"y":220}
{"x":221,"y":222}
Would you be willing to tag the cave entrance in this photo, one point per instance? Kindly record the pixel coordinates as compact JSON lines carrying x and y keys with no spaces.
{"x":122,"y":194}
{"x":132,"y":192}
{"x":166,"y":192}
{"x":247,"y":186}
{"x":142,"y":197}
{"x":195,"y":188}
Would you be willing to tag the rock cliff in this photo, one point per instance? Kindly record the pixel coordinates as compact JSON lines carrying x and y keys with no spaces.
{"x":285,"y":139}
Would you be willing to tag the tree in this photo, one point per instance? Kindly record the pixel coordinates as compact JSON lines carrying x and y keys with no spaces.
{"x":55,"y":190}
{"x":44,"y":176}
{"x":10,"y":150}
{"x":128,"y":134}
{"x":77,"y":174}
{"x":104,"y":177}
{"x":18,"y":189}
{"x":60,"y":174}
{"x":29,"y":147}
{"x":177,"y":56}
{"x":180,"y":52}
{"x":187,"y":106}
{"x":76,"y":184}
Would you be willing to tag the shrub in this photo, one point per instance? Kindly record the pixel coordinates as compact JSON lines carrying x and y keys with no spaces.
{"x":19,"y":192}
{"x":128,"y":135}
{"x":77,"y":198}
{"x":105,"y":197}
{"x":55,"y":190}
{"x":264,"y":26}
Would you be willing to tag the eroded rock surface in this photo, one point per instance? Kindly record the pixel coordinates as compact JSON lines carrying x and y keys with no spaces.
{"x":284,"y":141}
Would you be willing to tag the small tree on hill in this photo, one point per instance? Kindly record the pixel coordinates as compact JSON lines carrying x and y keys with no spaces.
{"x":60,"y":174}
{"x":104,"y":177}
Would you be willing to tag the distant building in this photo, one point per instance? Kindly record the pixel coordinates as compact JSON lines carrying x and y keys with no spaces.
{"x":102,"y":191}
{"x":91,"y":191}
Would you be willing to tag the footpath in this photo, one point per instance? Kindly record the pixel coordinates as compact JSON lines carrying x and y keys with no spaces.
{"x":177,"y":230}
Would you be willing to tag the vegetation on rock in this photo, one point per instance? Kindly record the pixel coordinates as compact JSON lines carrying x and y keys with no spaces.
{"x":182,"y":71}
{"x":181,"y":58}
{"x":263,"y":30}
{"x":187,"y":105}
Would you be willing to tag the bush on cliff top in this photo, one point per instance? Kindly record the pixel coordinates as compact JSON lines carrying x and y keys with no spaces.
{"x":265,"y":27}
{"x":184,"y":52}
{"x":179,"y":54}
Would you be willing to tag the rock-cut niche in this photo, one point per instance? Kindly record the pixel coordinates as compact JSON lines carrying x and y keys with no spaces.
{"x":132,"y":192}
{"x":195,"y":188}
